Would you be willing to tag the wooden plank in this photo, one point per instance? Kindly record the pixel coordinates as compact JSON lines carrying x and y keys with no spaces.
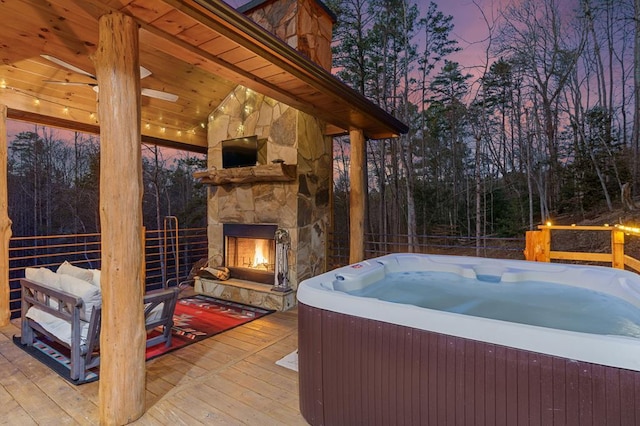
{"x":632,"y":262}
{"x":13,"y":414}
{"x":33,"y":400}
{"x":174,"y":22}
{"x":147,"y":10}
{"x":199,"y":410}
{"x":264,"y":397}
{"x":574,"y":255}
{"x":198,"y":34}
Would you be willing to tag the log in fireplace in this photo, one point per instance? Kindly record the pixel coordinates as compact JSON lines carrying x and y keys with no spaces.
{"x":250,"y":251}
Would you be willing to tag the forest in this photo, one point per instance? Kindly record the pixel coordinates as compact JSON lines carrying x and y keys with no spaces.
{"x":54,"y":184}
{"x":547,"y":125}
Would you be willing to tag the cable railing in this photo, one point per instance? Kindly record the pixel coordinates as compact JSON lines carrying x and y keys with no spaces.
{"x":171,"y":252}
{"x":162,"y":261}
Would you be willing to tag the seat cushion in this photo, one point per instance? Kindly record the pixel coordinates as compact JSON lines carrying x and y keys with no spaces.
{"x":56,"y":326}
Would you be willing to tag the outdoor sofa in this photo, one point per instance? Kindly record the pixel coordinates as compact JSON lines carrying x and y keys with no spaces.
{"x":66,"y":307}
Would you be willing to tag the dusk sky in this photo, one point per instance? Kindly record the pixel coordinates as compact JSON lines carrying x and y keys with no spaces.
{"x":469,"y":27}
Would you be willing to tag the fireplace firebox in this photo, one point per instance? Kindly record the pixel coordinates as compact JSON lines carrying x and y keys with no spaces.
{"x":250,"y":251}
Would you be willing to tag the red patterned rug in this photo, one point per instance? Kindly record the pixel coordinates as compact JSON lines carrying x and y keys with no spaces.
{"x":199,"y":317}
{"x":195,"y":318}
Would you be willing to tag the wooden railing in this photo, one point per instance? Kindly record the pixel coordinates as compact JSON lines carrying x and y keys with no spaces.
{"x":538,"y":246}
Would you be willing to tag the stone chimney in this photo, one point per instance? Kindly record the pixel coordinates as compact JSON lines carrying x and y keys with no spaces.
{"x":305,"y":25}
{"x":301,"y":206}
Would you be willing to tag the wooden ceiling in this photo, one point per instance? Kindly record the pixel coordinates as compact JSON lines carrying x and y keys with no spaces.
{"x":198,"y":50}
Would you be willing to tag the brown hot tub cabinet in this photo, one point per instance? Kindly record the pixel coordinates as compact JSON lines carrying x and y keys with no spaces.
{"x":355,"y":370}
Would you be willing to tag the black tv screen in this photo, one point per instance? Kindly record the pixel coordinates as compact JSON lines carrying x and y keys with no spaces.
{"x":240,"y":152}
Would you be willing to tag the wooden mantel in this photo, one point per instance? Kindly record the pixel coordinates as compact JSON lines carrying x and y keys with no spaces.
{"x":278,"y":172}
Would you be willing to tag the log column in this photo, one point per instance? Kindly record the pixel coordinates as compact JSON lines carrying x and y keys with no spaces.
{"x":122,"y":339}
{"x":357,"y":196}
{"x":5,"y":222}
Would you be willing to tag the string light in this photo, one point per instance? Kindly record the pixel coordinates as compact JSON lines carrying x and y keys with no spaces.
{"x":629,"y":229}
{"x":92,"y":115}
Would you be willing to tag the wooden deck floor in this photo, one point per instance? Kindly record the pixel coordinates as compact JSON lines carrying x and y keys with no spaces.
{"x":228,"y":379}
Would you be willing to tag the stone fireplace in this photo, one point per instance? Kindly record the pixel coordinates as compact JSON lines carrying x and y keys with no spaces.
{"x":287,"y":190}
{"x":250,"y":252}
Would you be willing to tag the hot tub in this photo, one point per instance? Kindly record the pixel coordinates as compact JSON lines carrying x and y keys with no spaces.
{"x":496,"y":357}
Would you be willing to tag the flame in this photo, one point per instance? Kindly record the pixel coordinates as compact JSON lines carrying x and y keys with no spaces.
{"x":259,"y":259}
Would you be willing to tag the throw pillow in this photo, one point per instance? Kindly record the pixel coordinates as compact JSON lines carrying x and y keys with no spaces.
{"x":74,"y":271}
{"x":89,"y":293}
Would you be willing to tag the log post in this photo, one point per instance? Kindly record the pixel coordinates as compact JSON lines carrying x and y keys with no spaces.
{"x":357,"y":196}
{"x":617,"y":248}
{"x":5,"y":222}
{"x":545,"y":244}
{"x":532,"y":245}
{"x":122,"y":339}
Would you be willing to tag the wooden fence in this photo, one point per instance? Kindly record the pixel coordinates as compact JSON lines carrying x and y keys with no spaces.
{"x":538,"y":246}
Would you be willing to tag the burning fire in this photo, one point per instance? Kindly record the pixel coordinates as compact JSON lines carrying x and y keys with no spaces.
{"x":260,"y":261}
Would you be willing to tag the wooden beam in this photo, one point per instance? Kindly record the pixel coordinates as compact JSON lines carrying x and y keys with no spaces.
{"x":76,"y":126}
{"x":357,"y":196}
{"x":260,"y":173}
{"x":5,"y":222}
{"x":122,"y":339}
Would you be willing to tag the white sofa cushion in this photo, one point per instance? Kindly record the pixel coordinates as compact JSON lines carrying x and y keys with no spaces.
{"x":81,"y":273}
{"x":56,"y":326}
{"x":90,"y":294}
{"x":96,"y":277}
{"x":43,"y":276}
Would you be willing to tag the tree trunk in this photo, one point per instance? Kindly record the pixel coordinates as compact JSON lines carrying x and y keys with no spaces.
{"x":5,"y":222}
{"x":123,"y":336}
{"x":478,"y":191}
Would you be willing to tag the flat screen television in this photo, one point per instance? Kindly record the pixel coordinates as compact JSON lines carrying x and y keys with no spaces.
{"x":240,"y":152}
